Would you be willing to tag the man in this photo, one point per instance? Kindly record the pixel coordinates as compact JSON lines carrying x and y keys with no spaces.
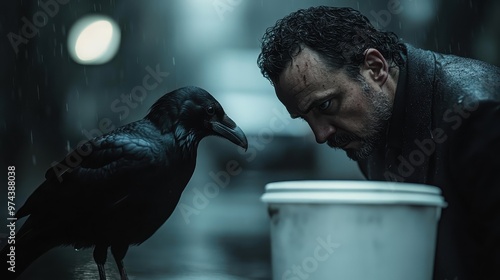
{"x":404,"y":114}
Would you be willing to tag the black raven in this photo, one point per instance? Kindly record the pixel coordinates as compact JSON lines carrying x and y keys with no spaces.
{"x":116,"y":190}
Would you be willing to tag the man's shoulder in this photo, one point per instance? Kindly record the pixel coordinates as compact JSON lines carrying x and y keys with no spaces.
{"x":458,"y":77}
{"x":470,"y":76}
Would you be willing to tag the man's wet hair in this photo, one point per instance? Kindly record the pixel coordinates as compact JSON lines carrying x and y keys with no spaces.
{"x":339,"y":35}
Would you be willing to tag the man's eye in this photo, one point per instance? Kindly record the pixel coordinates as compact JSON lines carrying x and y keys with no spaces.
{"x":323,"y":106}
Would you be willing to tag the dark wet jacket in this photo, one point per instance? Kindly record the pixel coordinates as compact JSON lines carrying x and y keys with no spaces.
{"x":445,"y":131}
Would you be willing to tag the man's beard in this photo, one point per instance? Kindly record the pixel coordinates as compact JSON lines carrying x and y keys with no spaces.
{"x":374,"y":128}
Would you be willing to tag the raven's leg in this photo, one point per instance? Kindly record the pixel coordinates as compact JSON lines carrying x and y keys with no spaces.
{"x":100,"y":255}
{"x":119,"y":253}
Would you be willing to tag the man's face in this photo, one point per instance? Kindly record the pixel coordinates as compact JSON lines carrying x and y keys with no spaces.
{"x":341,"y":111}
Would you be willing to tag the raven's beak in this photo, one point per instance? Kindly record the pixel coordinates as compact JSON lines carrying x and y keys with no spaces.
{"x":229,"y":130}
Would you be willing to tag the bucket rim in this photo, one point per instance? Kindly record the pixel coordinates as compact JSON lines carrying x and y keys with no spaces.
{"x":352,"y":192}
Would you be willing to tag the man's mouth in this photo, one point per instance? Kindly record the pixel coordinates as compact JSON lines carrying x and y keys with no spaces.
{"x":344,"y":140}
{"x":337,"y":145}
{"x":345,"y":145}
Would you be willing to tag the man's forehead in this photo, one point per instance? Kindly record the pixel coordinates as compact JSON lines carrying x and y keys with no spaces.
{"x":301,"y":72}
{"x":300,"y":78}
{"x":304,"y":61}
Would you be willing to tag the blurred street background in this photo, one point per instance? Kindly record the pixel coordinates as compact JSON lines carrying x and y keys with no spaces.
{"x":53,"y":97}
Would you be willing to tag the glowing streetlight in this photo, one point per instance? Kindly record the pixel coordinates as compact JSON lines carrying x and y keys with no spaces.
{"x":93,"y":40}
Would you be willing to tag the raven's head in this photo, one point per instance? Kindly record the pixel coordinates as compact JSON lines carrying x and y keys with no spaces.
{"x":193,"y":113}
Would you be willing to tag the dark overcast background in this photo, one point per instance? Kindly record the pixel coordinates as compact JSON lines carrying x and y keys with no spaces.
{"x":48,"y":102}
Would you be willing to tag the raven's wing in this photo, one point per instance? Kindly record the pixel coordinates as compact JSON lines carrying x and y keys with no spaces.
{"x":101,"y":170}
{"x":105,"y":157}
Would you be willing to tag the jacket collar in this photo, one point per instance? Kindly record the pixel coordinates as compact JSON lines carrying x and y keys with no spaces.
{"x":400,"y":157}
{"x":411,"y":123}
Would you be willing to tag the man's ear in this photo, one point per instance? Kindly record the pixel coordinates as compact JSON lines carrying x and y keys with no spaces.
{"x":375,"y":67}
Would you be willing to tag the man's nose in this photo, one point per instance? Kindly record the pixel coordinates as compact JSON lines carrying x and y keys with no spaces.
{"x":322,"y":130}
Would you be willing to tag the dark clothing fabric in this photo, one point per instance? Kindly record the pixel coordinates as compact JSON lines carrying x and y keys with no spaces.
{"x":445,"y":131}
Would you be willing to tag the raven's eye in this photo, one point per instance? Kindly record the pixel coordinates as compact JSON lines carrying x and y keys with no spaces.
{"x":210,"y":110}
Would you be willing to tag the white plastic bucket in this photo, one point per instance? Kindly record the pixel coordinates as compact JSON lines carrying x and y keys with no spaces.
{"x":353,"y":230}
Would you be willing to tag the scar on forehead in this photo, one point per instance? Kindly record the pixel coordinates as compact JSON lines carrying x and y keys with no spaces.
{"x":301,"y":72}
{"x":301,"y":66}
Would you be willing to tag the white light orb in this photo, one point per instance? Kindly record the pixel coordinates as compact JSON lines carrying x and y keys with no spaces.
{"x":93,"y":40}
